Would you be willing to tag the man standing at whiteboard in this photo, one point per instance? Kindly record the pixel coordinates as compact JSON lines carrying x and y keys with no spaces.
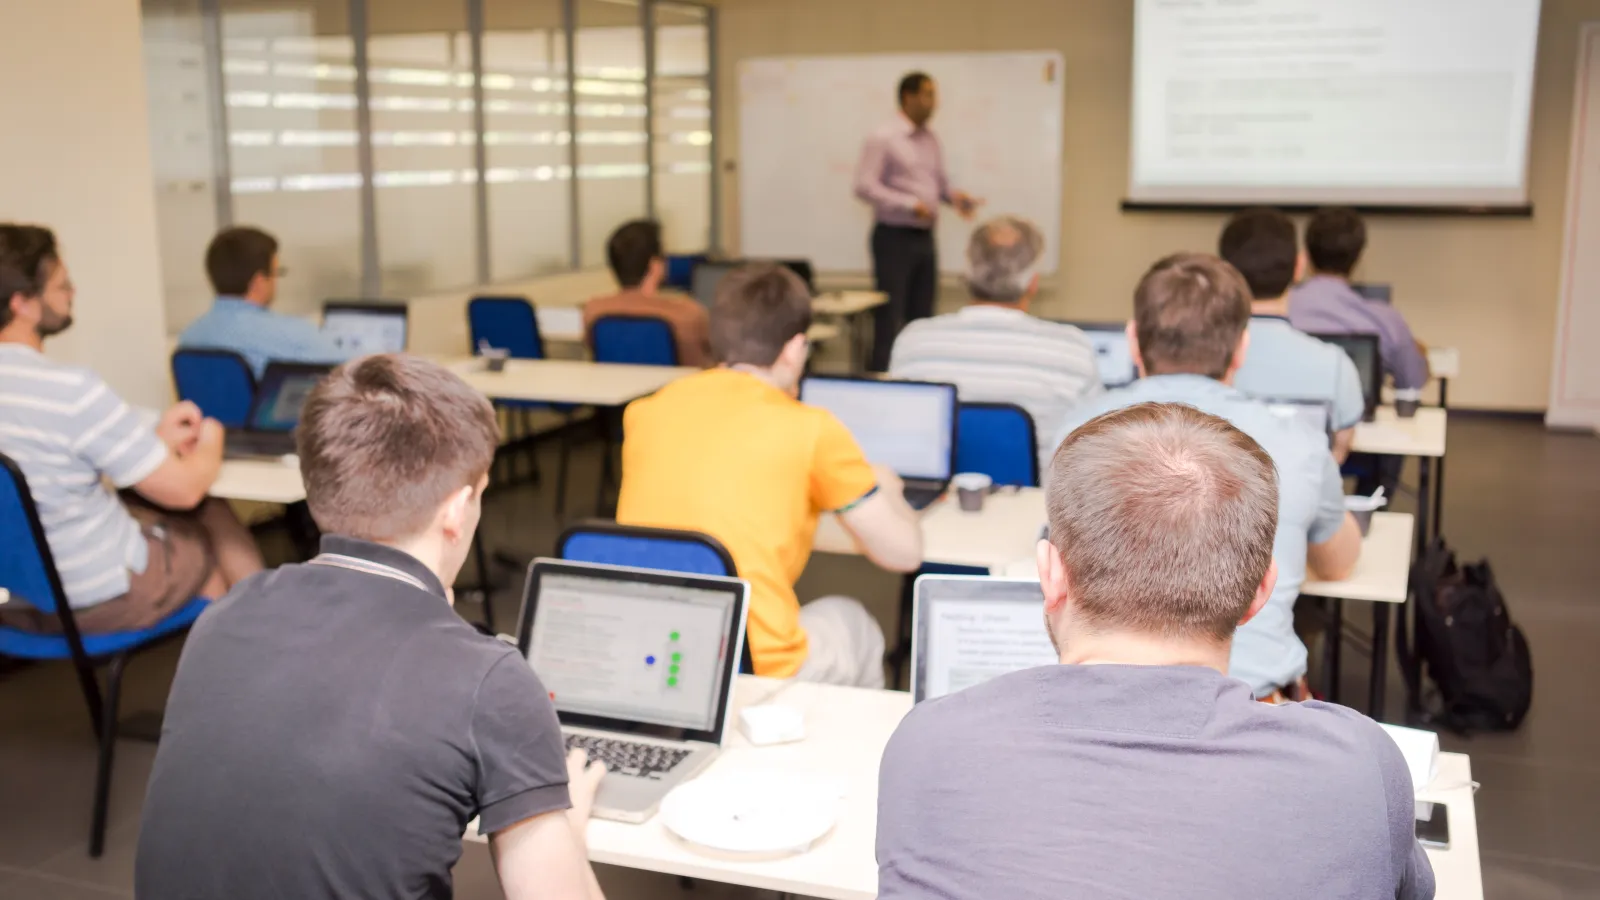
{"x":902,"y":175}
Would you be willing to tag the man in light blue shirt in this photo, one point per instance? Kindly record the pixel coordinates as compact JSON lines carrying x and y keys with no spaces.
{"x":1286,"y":363}
{"x":1189,"y":337}
{"x":242,"y":264}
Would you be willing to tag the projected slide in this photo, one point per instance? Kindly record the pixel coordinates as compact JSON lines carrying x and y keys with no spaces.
{"x":1358,"y":101}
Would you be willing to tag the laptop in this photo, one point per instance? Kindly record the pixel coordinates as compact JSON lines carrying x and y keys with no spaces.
{"x":1112,"y":352}
{"x":706,"y":276}
{"x":1363,"y":350}
{"x":1317,"y":415}
{"x":909,"y":426}
{"x":275,"y":411}
{"x":1381,"y":293}
{"x":967,"y":629}
{"x":640,"y":665}
{"x":360,"y":327}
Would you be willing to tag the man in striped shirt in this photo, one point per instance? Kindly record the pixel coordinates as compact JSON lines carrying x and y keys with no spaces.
{"x":122,"y":566}
{"x":993,"y":350}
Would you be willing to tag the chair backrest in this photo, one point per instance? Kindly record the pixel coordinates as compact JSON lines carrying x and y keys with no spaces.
{"x":505,"y":323}
{"x":1363,"y":350}
{"x":997,"y":439}
{"x":640,"y":340}
{"x":27,"y":570}
{"x":680,"y":270}
{"x":611,"y":543}
{"x":218,"y":381}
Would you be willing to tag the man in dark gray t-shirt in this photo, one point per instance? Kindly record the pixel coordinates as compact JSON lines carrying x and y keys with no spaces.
{"x":1137,"y":768}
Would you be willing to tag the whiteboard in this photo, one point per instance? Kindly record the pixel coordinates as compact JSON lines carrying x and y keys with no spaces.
{"x":802,"y":121}
{"x":1575,"y":376}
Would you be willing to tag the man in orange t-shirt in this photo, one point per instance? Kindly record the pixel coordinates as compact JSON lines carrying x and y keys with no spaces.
{"x":733,"y":453}
{"x":635,"y":256}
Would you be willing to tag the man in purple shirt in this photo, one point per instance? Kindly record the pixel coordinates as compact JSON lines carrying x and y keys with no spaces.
{"x":902,"y":175}
{"x":1325,"y":303}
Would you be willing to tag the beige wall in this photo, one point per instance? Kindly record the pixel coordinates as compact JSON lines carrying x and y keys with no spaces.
{"x":1486,"y":286}
{"x":76,"y":154}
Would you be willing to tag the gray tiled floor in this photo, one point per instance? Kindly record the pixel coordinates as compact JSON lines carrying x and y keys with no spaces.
{"x":1527,"y":498}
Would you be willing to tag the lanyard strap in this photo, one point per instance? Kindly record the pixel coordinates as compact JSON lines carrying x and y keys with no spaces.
{"x":371,"y":568}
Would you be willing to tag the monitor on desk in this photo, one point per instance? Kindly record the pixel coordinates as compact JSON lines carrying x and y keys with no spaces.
{"x":1363,"y":350}
{"x":360,"y":327}
{"x":1112,"y":352}
{"x":968,"y":629}
{"x":909,"y":426}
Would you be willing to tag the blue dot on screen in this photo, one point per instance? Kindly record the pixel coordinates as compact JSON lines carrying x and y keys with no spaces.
{"x":649,"y":660}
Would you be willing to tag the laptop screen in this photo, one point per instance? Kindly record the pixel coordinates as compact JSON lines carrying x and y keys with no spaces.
{"x":1316,"y":414}
{"x":908,"y":426}
{"x":1112,"y":353}
{"x":358,"y":331}
{"x":280,"y":395}
{"x":704,"y":281}
{"x":968,"y":630}
{"x":1363,"y":351}
{"x":606,"y":644}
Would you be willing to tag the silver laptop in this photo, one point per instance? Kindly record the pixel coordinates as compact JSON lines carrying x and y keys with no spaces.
{"x":1113,"y":355}
{"x":967,"y":629}
{"x":640,"y":665}
{"x":909,"y":426}
{"x":359,"y":327}
{"x":1316,"y":415}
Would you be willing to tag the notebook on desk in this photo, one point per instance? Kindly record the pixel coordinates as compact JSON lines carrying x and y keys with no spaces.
{"x":908,"y":426}
{"x":275,"y":411}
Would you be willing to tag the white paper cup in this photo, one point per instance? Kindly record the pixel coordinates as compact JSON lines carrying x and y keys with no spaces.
{"x":971,"y":489}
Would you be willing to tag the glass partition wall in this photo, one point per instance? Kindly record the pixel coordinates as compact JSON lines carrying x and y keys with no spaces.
{"x":402,"y":147}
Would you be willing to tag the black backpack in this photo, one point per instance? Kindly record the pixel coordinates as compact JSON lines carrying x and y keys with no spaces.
{"x":1473,"y":652}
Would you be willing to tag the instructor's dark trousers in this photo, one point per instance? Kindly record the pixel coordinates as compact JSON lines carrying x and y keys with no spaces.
{"x":905,"y":265}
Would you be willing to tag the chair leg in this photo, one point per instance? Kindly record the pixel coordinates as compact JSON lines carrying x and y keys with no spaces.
{"x":91,"y":694}
{"x":108,"y":745}
{"x":561,"y":467}
{"x":532,"y":447}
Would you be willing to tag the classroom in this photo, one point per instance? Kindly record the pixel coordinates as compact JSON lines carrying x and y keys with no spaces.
{"x":799,"y":448}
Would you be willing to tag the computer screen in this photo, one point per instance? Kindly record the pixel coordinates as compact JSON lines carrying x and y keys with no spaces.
{"x":905,"y":425}
{"x":705,"y":279}
{"x":1363,"y":351}
{"x":358,"y":332}
{"x":632,"y":650}
{"x":1381,"y":293}
{"x":1317,"y":415}
{"x":972,"y":629}
{"x":280,"y":396}
{"x":1112,"y":353}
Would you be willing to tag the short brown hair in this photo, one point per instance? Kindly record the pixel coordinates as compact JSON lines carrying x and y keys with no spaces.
{"x":1189,"y":311}
{"x":28,"y":258}
{"x":758,"y":308}
{"x":1335,"y":238}
{"x":236,"y":256}
{"x":1165,"y":518}
{"x":384,"y":439}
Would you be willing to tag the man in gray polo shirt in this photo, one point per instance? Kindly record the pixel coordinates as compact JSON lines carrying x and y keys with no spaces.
{"x":1189,"y":339}
{"x":1137,"y":768}
{"x":334,"y":726}
{"x":1284,"y":362}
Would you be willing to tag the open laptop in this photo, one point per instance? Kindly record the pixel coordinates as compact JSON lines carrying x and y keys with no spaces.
{"x":1112,"y":352}
{"x":967,"y":629}
{"x":640,"y":665}
{"x":909,"y":426}
{"x":1363,"y":350}
{"x":275,"y":411}
{"x":705,"y":277}
{"x":1381,"y":293}
{"x":1317,"y":415}
{"x":360,"y":327}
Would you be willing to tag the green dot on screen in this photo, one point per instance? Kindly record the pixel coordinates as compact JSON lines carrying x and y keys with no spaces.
{"x":673,"y":669}
{"x":672,"y":681}
{"x":677,"y":657}
{"x":674,"y":636}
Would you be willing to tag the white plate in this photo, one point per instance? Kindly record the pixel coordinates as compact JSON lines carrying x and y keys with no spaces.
{"x":752,"y":813}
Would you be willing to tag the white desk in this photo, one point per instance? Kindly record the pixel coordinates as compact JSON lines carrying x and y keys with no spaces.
{"x":260,"y":480}
{"x":847,"y":303}
{"x":1003,"y":533}
{"x":1381,"y":576}
{"x":1444,"y":363}
{"x":1422,"y":435}
{"x":564,"y":325}
{"x":848,"y":729}
{"x":578,"y":382}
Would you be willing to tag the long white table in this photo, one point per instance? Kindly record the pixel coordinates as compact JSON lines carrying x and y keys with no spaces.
{"x":847,"y":729}
{"x":1003,"y":533}
{"x":564,"y":324}
{"x":578,"y":382}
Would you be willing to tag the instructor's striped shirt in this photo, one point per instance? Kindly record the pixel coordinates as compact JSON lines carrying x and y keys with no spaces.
{"x":998,"y":354}
{"x":65,"y":429}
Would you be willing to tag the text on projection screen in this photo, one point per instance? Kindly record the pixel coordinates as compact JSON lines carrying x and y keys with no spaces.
{"x":1332,"y":101}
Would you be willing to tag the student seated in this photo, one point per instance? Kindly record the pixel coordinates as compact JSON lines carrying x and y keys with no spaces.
{"x":1189,"y":337}
{"x":1137,"y":767}
{"x":334,"y":725}
{"x":639,"y":264}
{"x":993,"y":350}
{"x":1285,"y":363}
{"x":242,"y":264}
{"x":125,"y":562}
{"x":1325,"y":303}
{"x":731,"y":452}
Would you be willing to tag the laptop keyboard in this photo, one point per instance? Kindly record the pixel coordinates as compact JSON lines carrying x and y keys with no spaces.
{"x":918,"y":497}
{"x":627,"y":757}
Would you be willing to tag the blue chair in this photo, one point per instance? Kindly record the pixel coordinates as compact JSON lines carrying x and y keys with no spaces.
{"x":218,"y":381}
{"x":997,"y":439}
{"x":636,"y":340}
{"x":680,"y":270}
{"x":505,"y":323}
{"x":28,"y":576}
{"x":667,"y":549}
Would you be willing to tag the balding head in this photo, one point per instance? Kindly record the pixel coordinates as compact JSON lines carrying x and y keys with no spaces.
{"x":1162,"y":518}
{"x":1000,"y":260}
